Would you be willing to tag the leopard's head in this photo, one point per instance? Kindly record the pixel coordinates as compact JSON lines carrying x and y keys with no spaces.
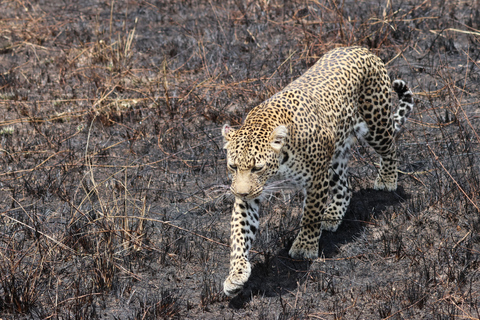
{"x":252,"y":157}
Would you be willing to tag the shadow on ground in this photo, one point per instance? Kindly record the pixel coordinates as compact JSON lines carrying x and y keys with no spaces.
{"x":281,"y":274}
{"x":366,"y":205}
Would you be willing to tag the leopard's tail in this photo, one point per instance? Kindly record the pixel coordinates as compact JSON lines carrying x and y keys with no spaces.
{"x":405,"y":106}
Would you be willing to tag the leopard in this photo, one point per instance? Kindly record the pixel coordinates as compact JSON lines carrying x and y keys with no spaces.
{"x":303,"y":134}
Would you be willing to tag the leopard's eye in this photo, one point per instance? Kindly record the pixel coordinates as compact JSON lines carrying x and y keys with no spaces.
{"x":257,"y":168}
{"x":232,"y":167}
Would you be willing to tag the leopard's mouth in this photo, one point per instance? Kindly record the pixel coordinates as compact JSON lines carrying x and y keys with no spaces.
{"x":248,"y":196}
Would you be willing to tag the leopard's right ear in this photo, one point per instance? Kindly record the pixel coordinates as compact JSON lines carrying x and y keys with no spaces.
{"x":227,"y":132}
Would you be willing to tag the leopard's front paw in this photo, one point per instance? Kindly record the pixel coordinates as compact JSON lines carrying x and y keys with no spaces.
{"x":304,"y":249}
{"x":239,"y":274}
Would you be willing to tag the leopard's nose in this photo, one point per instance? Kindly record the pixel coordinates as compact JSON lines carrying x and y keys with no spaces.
{"x":242,"y":195}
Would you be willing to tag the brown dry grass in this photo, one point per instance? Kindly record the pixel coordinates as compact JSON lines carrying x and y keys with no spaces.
{"x":112,"y":171}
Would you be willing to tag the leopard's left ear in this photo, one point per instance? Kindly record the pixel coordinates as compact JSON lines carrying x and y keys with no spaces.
{"x":226,"y":132}
{"x":277,"y":138}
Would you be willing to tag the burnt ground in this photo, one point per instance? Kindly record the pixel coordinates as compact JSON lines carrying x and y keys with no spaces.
{"x":113,"y":188}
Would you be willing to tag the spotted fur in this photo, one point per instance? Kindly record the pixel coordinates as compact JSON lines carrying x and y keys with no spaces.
{"x":304,"y":133}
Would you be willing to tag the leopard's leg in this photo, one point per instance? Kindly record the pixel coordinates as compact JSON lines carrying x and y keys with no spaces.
{"x":339,"y":188}
{"x":244,"y":225}
{"x":384,"y":145}
{"x":376,"y":110}
{"x":383,"y":137}
{"x":306,"y":243}
{"x":387,"y":173}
